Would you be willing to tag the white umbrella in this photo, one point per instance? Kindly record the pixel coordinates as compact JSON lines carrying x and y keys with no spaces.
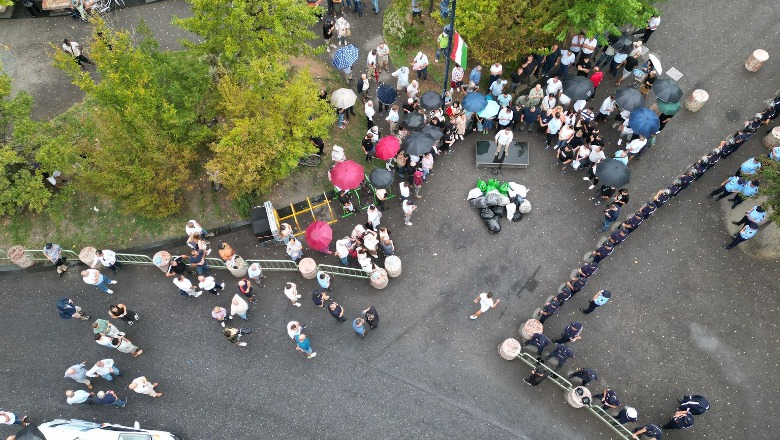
{"x":343,"y":98}
{"x":656,"y":63}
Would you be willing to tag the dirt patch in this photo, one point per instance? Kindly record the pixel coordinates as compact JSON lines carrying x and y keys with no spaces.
{"x":318,"y":69}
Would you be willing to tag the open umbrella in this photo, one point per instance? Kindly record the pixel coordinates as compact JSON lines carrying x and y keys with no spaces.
{"x":624,"y":44}
{"x":656,"y":63}
{"x":347,"y":174}
{"x":381,"y":178}
{"x":629,"y":98}
{"x":343,"y":98}
{"x":30,"y":432}
{"x":386,"y":94}
{"x":578,"y":88}
{"x":490,"y":110}
{"x":432,"y":131}
{"x":430,"y":100}
{"x":667,"y":108}
{"x":667,"y":90}
{"x":417,"y":144}
{"x":414,"y":121}
{"x":319,"y":235}
{"x":613,"y":173}
{"x":474,"y":102}
{"x":644,"y":122}
{"x":387,"y":147}
{"x":345,"y":57}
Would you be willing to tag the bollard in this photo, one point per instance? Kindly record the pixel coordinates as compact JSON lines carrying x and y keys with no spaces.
{"x":509,"y":349}
{"x":308,"y":268}
{"x":772,"y":139}
{"x":579,"y":397}
{"x":696,"y":101}
{"x":17,"y":256}
{"x":393,"y":266}
{"x":237,"y":266}
{"x":379,"y":278}
{"x":162,"y":260}
{"x":756,"y":60}
{"x":87,"y":256}
{"x":529,"y":328}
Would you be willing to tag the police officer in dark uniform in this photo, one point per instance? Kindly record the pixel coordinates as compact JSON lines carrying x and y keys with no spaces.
{"x":573,"y":332}
{"x":574,"y":285}
{"x":563,"y":296}
{"x":661,"y":197}
{"x":686,"y":180}
{"x":609,"y":399}
{"x":586,"y":375}
{"x":649,"y":430}
{"x":648,"y":210}
{"x":539,"y":341}
{"x":538,"y":375}
{"x":588,"y":269}
{"x":617,"y":237}
{"x":603,"y":252}
{"x":633,"y":222}
{"x":695,"y":403}
{"x":682,"y":419}
{"x":548,"y":310}
{"x":562,"y":353}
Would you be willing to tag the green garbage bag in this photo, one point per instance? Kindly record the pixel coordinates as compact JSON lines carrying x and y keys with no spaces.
{"x":492,"y":184}
{"x":504,"y":189}
{"x":482,"y":185}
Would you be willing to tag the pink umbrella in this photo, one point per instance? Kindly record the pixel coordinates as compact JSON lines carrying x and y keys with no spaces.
{"x":347,"y":174}
{"x":319,"y":235}
{"x":387,"y":147}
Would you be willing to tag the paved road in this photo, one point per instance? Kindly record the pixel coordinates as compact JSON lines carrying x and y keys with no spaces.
{"x":687,"y":316}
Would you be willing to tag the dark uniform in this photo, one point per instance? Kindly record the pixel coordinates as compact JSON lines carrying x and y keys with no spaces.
{"x":585,"y":374}
{"x":650,"y":430}
{"x":680,"y":420}
{"x":570,"y":333}
{"x":609,"y":399}
{"x":588,"y":269}
{"x":538,"y":375}
{"x":574,"y":285}
{"x":648,"y":210}
{"x":539,"y":341}
{"x":603,"y":252}
{"x":548,"y":310}
{"x":617,"y":237}
{"x":633,"y":222}
{"x":562,"y":296}
{"x":696,"y":404}
{"x":562,"y":353}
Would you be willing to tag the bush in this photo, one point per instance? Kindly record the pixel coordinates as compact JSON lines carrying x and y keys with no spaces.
{"x":396,"y":25}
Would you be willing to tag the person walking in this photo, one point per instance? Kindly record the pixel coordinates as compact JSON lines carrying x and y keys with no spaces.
{"x":682,"y":419}
{"x":245,"y":288}
{"x":78,"y":396}
{"x":108,"y":259}
{"x":291,"y":292}
{"x":539,"y":341}
{"x":255,"y":273}
{"x":208,"y":283}
{"x":746,"y":233}
{"x":694,"y":403}
{"x":95,"y":278}
{"x":108,"y":398}
{"x":562,"y":353}
{"x":53,"y":252}
{"x":141,"y":385}
{"x":417,"y":180}
{"x":538,"y":375}
{"x":185,"y":286}
{"x":9,"y":418}
{"x":120,"y":311}
{"x":408,"y":208}
{"x":294,"y":329}
{"x":371,"y":317}
{"x":486,"y":302}
{"x":336,"y":311}
{"x":586,"y":375}
{"x":303,"y":344}
{"x":104,"y":368}
{"x":652,"y":25}
{"x":599,"y":299}
{"x":359,"y":327}
{"x":124,"y":345}
{"x":67,"y":309}
{"x":238,"y":307}
{"x":73,"y":48}
{"x":328,"y":28}
{"x":78,"y":372}
{"x":609,"y":399}
{"x":573,"y":332}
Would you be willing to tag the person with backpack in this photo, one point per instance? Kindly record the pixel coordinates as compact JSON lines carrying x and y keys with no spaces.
{"x":67,"y":309}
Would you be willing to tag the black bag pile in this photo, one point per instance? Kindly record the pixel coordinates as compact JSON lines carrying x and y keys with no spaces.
{"x":493,"y":204}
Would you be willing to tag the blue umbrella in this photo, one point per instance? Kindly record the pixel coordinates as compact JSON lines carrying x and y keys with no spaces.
{"x":490,"y":110}
{"x":386,"y":94}
{"x":474,"y":102}
{"x":644,"y":122}
{"x":345,"y":57}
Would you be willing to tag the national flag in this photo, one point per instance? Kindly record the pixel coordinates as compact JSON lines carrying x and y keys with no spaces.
{"x":459,"y":50}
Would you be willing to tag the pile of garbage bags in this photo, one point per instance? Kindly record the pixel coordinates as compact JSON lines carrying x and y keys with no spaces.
{"x":494,"y":200}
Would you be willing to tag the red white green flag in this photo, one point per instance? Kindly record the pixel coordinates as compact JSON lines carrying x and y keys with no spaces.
{"x":459,"y":50}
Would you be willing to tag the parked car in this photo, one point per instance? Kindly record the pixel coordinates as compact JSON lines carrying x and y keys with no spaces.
{"x":75,"y":429}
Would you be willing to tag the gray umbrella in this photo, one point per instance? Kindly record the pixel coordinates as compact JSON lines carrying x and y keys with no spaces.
{"x":667,"y":90}
{"x":417,"y":144}
{"x":629,"y":98}
{"x":578,"y":88}
{"x":434,"y":132}
{"x":414,"y":121}
{"x":430,"y":100}
{"x":381,"y":178}
{"x":624,"y":44}
{"x":29,"y":432}
{"x":613,"y":173}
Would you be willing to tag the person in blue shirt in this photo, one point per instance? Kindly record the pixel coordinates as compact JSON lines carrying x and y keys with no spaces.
{"x":539,"y":341}
{"x":774,"y":154}
{"x":757,"y":214}
{"x":573,"y":332}
{"x":324,"y":280}
{"x":598,"y":300}
{"x":748,"y":168}
{"x":747,"y":191}
{"x":647,"y":210}
{"x":617,"y":237}
{"x":610,"y":216}
{"x":476,"y":75}
{"x":649,"y":430}
{"x":574,"y":285}
{"x":358,"y":324}
{"x":746,"y":233}
{"x":586,"y":375}
{"x":729,"y":186}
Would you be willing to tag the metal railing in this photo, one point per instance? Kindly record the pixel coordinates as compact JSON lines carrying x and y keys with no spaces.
{"x":564,"y":384}
{"x":343,"y":271}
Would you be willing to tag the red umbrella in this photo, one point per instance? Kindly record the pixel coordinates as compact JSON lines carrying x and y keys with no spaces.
{"x":387,"y":147}
{"x":319,"y":235}
{"x":347,"y":174}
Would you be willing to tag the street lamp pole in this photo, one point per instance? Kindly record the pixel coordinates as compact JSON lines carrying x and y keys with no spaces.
{"x":449,"y":50}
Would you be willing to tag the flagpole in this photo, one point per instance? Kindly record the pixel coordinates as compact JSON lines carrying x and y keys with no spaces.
{"x":449,"y":51}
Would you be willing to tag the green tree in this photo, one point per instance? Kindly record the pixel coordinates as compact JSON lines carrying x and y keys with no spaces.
{"x":770,"y":186}
{"x":144,"y":111}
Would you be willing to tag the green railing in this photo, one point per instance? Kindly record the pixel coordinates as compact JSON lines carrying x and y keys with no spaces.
{"x":564,"y":384}
{"x":343,"y":271}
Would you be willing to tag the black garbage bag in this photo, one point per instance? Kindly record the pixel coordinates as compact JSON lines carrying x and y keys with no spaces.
{"x":479,"y":202}
{"x":518,"y":216}
{"x":499,"y":211}
{"x":486,"y":213}
{"x":493,"y":225}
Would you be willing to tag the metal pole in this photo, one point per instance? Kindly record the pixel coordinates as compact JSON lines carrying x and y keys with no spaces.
{"x":449,"y":51}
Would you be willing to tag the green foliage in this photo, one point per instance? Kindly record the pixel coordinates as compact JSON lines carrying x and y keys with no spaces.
{"x":395,"y":23}
{"x":270,"y":117}
{"x":236,"y":31}
{"x":770,"y":186}
{"x":145,"y":122}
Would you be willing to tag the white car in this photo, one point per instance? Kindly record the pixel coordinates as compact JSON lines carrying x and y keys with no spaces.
{"x":75,"y":429}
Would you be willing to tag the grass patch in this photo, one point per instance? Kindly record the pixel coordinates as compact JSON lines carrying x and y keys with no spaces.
{"x":406,"y":39}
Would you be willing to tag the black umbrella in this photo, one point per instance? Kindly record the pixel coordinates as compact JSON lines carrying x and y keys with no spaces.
{"x":667,"y":90}
{"x":629,"y":98}
{"x":381,"y":178}
{"x":386,"y":94}
{"x":624,"y":44}
{"x":434,"y":132}
{"x":414,"y":121}
{"x":29,"y":432}
{"x":417,"y":144}
{"x":578,"y":88}
{"x":612,"y":172}
{"x":430,"y":100}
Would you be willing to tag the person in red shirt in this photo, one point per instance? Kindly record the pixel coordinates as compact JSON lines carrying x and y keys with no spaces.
{"x":596,"y":78}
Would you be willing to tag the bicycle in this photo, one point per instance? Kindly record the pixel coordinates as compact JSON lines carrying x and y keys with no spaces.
{"x":311,"y":160}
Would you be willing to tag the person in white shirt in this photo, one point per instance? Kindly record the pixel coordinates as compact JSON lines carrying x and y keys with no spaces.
{"x":74,"y":49}
{"x":634,"y":148}
{"x":404,"y":190}
{"x":104,"y":368}
{"x":291,"y":290}
{"x":548,"y":102}
{"x":368,"y":108}
{"x":408,"y":207}
{"x":504,"y":118}
{"x":567,"y":59}
{"x":185,"y":286}
{"x":142,"y":386}
{"x":371,"y":59}
{"x":496,"y":70}
{"x":486,"y":302}
{"x":294,"y":329}
{"x":374,"y":216}
{"x":420,"y":64}
{"x":607,"y":106}
{"x":403,"y":77}
{"x":382,"y":56}
{"x":652,"y":25}
{"x":554,"y":86}
{"x":108,"y":259}
{"x":412,"y":89}
{"x":596,"y":154}
{"x":576,"y":44}
{"x":208,"y":283}
{"x":392,"y":118}
{"x":342,"y":250}
{"x":579,"y":105}
{"x":588,"y":46}
{"x":503,"y":140}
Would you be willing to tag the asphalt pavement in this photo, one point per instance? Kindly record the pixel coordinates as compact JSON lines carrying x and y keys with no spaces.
{"x":686,"y":316}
